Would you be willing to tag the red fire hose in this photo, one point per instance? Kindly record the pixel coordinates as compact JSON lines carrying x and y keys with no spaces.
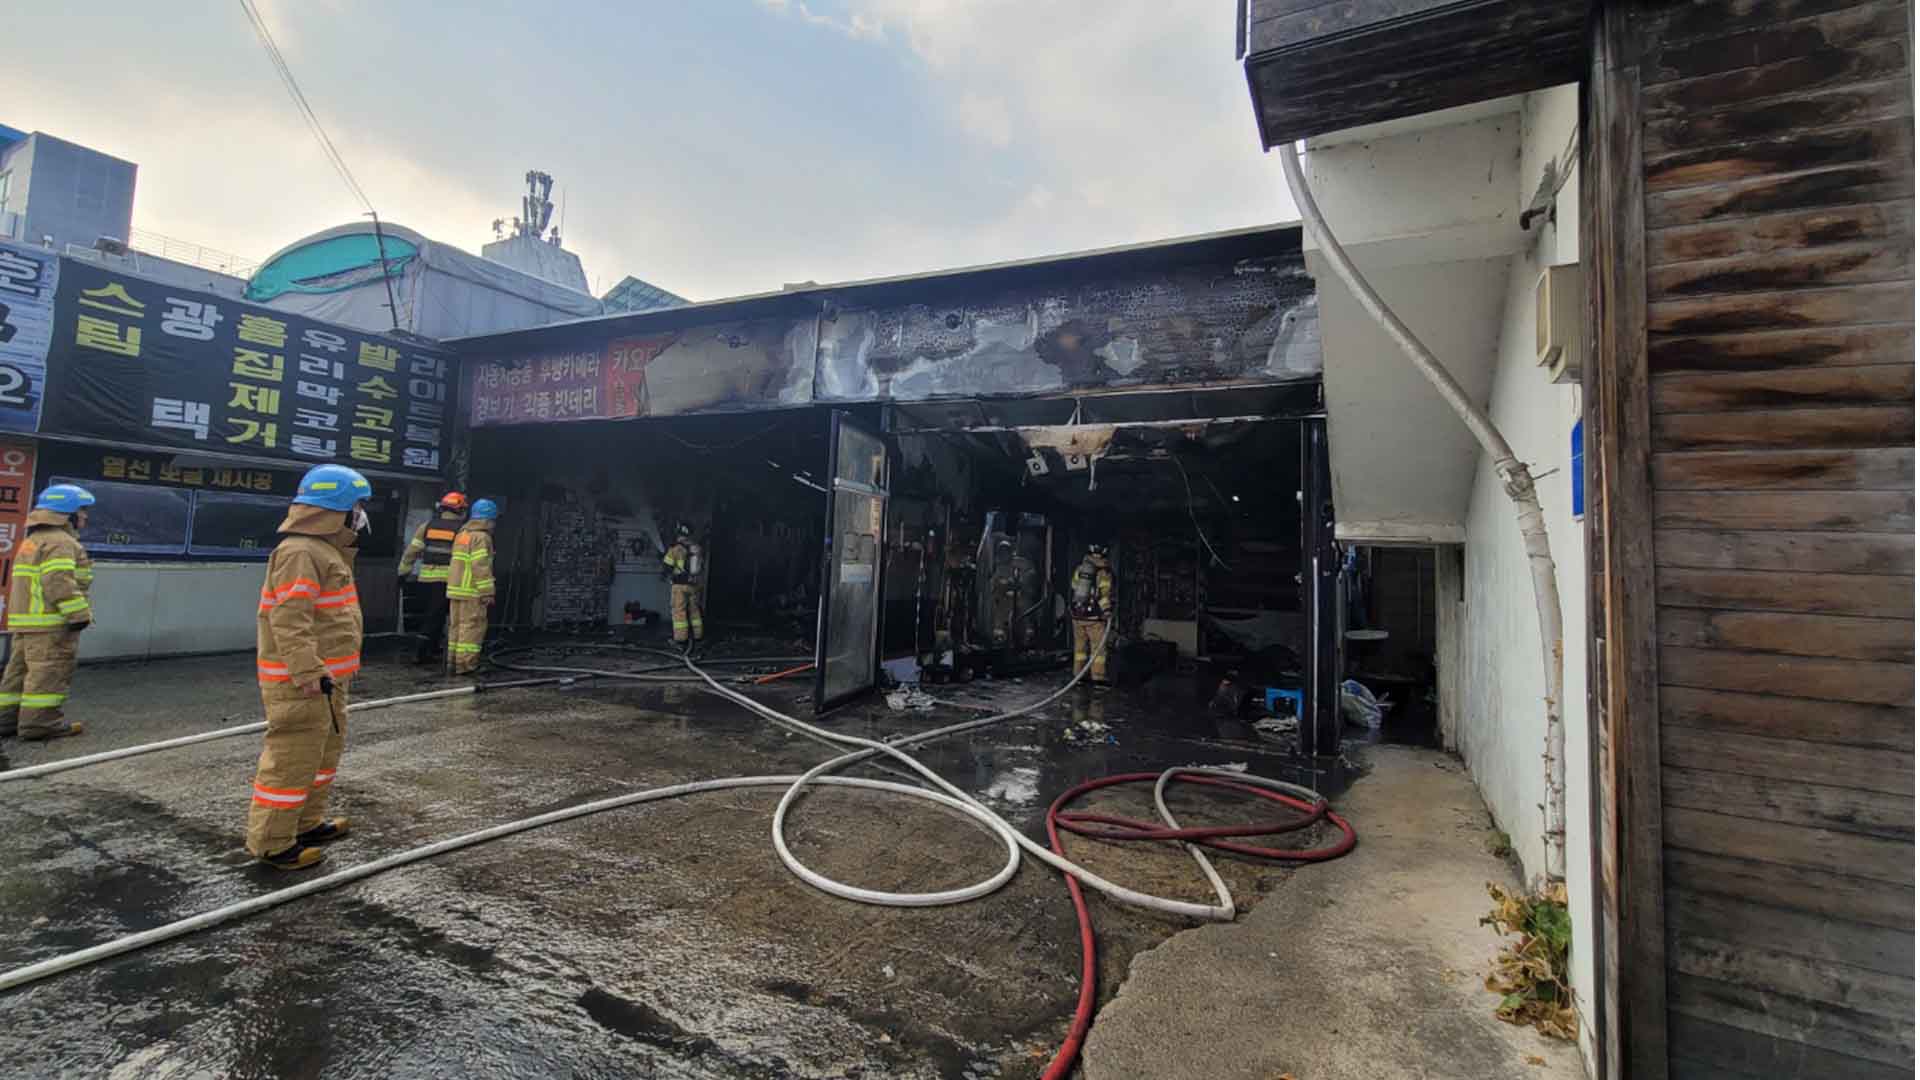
{"x":1108,"y":827}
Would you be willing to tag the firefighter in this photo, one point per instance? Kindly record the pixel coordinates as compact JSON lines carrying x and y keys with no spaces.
{"x":1092,"y":605}
{"x":309,"y":631}
{"x":46,"y":610}
{"x":431,"y":551}
{"x":682,"y":566}
{"x":1005,"y":602}
{"x":470,"y":588}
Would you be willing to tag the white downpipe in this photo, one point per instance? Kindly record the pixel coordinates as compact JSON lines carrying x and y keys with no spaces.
{"x":1514,"y":476}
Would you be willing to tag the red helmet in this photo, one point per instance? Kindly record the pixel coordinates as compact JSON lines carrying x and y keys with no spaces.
{"x":453,"y":500}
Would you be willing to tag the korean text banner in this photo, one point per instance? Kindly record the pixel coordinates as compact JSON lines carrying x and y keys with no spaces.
{"x":16,"y":496}
{"x":711,"y":368}
{"x":140,"y":362}
{"x":27,"y":279}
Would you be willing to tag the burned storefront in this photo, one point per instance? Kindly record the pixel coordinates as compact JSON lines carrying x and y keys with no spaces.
{"x":900,"y":476}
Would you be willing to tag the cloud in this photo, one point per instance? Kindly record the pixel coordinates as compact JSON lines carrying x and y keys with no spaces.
{"x":270,"y":187}
{"x":843,"y":139}
{"x":856,"y":25}
{"x":985,"y":118}
{"x":1132,"y":115}
{"x":1057,"y":127}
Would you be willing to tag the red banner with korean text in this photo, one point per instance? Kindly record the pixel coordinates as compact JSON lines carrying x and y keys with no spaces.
{"x":733,"y":366}
{"x":16,"y":498}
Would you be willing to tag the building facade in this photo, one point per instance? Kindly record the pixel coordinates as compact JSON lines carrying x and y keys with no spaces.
{"x":1730,"y":184}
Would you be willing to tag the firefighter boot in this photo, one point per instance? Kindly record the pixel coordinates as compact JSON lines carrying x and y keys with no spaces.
{"x":297,"y":857}
{"x":324,"y":833}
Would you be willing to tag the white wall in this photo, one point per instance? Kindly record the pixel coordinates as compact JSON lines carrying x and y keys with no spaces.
{"x":1501,"y":727}
{"x":1428,"y":209}
{"x":1402,"y":461}
{"x":165,"y":609}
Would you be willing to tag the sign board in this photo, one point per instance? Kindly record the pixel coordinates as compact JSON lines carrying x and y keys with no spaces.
{"x":28,"y":277}
{"x":16,"y":499}
{"x":136,"y":361}
{"x":744,"y":365}
{"x":87,"y":463}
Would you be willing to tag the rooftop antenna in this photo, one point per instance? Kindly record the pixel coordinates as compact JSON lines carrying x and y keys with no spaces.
{"x":536,"y":209}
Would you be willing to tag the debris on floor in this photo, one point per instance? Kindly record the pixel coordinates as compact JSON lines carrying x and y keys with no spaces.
{"x":1359,"y":707}
{"x":1277,"y":725}
{"x":1531,"y":974}
{"x":903,"y":699}
{"x":1088,"y":731}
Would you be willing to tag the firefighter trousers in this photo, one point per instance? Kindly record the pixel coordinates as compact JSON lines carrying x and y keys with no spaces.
{"x":39,"y":673}
{"x":466,"y":632}
{"x":686,"y":613}
{"x":295,"y":775}
{"x":1086,"y":639}
{"x":432,"y":597}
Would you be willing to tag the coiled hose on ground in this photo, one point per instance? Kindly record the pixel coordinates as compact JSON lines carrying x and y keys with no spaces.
{"x":1302,"y":800}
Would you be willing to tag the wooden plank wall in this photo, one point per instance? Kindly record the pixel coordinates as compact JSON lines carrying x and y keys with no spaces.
{"x":1630,"y":1013}
{"x":1777,"y":148}
{"x":1323,"y":65}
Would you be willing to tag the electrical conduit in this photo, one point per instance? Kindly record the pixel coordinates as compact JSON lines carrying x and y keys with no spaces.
{"x":1514,"y":477}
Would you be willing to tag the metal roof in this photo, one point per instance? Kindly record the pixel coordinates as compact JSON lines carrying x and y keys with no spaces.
{"x":798,"y":301}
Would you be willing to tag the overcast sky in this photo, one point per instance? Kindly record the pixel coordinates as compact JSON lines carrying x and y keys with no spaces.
{"x":714,"y":147}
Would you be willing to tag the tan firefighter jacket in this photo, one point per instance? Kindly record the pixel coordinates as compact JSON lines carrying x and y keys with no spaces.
{"x":309,"y":623}
{"x":51,"y":576}
{"x":471,"y":576}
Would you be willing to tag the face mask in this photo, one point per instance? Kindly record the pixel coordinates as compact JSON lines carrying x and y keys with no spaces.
{"x":359,"y":520}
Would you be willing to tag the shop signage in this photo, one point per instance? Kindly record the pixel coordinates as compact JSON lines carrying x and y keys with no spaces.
{"x":745,"y":365}
{"x":27,"y":280}
{"x":16,"y":498}
{"x":163,"y":470}
{"x":136,"y":361}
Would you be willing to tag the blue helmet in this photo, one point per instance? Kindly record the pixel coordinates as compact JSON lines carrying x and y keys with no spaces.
{"x":64,"y":498}
{"x":333,"y":487}
{"x":485,"y":510}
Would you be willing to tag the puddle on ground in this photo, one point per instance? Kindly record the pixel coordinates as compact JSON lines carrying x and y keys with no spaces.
{"x":585,"y":951}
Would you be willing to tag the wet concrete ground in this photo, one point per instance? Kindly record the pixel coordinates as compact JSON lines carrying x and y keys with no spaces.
{"x":1370,"y":966}
{"x":664,"y":940}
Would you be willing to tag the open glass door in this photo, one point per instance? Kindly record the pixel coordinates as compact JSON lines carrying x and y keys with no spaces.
{"x":846,"y":649}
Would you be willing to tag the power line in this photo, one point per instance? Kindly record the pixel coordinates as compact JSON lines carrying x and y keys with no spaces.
{"x":279,"y":61}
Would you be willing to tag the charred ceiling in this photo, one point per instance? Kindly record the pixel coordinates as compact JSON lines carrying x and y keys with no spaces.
{"x":1234,"y":310}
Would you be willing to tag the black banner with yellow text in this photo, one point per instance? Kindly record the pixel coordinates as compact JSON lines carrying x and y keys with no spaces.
{"x":139,"y":362}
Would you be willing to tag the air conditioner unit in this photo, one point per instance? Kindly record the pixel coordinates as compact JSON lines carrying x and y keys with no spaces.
{"x":1560,"y":321}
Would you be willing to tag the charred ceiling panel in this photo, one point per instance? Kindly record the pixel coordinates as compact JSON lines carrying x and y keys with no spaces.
{"x":1231,"y":309}
{"x":1251,"y":321}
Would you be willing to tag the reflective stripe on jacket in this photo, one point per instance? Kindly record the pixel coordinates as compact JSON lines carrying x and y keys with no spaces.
{"x":678,"y":561}
{"x":51,"y":575}
{"x":472,"y":573}
{"x":309,"y":623}
{"x":432,"y":547}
